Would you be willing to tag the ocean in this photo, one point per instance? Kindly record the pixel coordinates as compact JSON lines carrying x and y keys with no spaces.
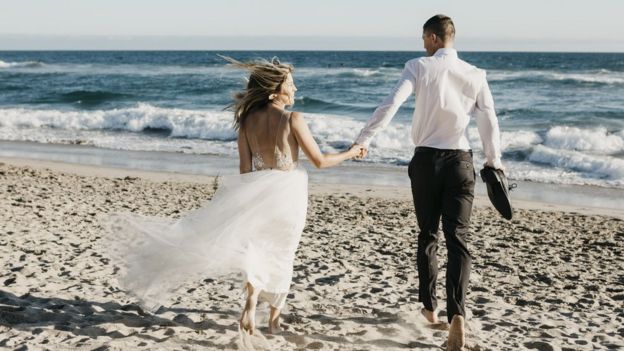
{"x":561,"y":114}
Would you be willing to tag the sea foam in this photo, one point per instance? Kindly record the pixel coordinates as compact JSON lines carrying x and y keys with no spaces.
{"x":591,"y":165}
{"x":20,"y":64}
{"x":598,"y":76}
{"x":559,"y":154}
{"x":214,"y":125}
{"x":598,"y":140}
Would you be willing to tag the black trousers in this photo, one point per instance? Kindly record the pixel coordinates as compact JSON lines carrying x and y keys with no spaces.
{"x":443,"y":188}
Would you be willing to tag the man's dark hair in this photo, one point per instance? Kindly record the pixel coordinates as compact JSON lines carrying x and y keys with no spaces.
{"x":440,"y":25}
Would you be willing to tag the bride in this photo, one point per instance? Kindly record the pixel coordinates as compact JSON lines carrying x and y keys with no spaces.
{"x":255,"y":220}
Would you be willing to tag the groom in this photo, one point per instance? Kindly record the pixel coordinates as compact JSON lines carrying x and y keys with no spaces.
{"x":447,"y":92}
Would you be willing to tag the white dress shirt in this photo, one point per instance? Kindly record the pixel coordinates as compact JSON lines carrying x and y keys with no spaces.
{"x":448,"y":91}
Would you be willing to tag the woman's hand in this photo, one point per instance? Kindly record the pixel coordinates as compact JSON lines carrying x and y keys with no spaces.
{"x":313,"y":152}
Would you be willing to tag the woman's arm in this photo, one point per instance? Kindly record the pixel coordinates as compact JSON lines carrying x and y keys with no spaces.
{"x":311,"y":148}
{"x":244,"y":152}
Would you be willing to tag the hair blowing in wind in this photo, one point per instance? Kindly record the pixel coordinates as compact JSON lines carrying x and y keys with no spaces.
{"x":265,"y":78}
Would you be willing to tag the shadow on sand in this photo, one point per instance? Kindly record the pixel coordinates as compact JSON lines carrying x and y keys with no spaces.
{"x":83,"y":318}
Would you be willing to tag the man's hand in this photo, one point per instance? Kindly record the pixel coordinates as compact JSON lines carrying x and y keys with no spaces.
{"x":500,"y":166}
{"x":363,"y":153}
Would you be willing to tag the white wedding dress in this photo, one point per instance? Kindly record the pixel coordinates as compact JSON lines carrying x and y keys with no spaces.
{"x":251,"y":226}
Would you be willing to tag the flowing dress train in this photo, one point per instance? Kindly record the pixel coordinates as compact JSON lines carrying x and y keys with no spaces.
{"x":252,"y":226}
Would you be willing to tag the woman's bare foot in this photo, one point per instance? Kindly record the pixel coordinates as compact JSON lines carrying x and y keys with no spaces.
{"x":429,"y":315}
{"x":248,"y":318}
{"x":274,"y":323}
{"x":275,"y":328}
{"x":247,"y":322}
{"x":456,"y":339}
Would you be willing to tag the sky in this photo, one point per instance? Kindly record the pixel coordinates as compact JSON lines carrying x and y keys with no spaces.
{"x":529,"y":25}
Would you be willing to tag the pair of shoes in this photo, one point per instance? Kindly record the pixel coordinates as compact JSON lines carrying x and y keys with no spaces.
{"x":498,"y":190}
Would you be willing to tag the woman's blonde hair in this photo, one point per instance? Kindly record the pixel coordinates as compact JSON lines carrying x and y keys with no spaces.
{"x":265,"y":78}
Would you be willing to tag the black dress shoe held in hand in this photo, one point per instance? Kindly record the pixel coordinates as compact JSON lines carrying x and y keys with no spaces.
{"x":498,"y":190}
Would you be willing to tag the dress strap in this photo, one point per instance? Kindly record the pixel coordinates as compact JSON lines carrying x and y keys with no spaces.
{"x":253,"y":140}
{"x":277,"y":130}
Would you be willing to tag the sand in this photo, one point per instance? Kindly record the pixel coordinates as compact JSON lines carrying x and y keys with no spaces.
{"x":551,"y":279}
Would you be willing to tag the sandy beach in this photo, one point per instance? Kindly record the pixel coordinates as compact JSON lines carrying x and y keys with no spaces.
{"x":551,"y":279}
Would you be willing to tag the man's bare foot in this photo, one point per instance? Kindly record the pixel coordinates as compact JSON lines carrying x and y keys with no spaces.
{"x":434,"y":322}
{"x":430,"y":316}
{"x":248,"y":319}
{"x":456,"y":339}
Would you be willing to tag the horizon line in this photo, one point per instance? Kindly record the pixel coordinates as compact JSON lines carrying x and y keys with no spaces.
{"x":59,"y":42}
{"x":308,"y":50}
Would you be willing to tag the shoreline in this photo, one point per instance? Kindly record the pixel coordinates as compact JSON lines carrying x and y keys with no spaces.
{"x":393,"y":192}
{"x":356,"y":175}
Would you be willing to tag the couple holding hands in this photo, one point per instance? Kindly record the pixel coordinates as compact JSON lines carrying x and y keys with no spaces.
{"x":255,"y":220}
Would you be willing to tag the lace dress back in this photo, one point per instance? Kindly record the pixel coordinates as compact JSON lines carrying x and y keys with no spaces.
{"x":271,"y":145}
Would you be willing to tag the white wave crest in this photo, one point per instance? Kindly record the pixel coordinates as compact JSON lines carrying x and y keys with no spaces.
{"x":553,"y":158}
{"x":518,"y":139}
{"x":599,"y":76}
{"x":378,"y":73}
{"x":214,"y":125}
{"x":365,"y":72}
{"x":592,"y":165}
{"x":201,"y":124}
{"x":597,"y":140}
{"x":23,"y":64}
{"x":334,"y":133}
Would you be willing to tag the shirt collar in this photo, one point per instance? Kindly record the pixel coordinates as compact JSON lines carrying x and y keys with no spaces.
{"x":445,"y":52}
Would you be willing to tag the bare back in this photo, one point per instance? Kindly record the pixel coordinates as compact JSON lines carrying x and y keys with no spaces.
{"x":270,"y":140}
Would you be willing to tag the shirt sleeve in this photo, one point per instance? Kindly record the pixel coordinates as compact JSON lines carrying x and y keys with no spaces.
{"x":390,"y":105}
{"x":487,"y":124}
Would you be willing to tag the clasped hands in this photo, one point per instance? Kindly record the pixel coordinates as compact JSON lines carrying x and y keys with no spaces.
{"x":361,"y":150}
